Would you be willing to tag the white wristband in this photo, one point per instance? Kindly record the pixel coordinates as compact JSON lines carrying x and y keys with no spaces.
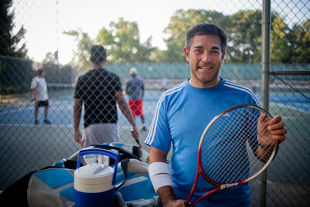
{"x":160,"y":174}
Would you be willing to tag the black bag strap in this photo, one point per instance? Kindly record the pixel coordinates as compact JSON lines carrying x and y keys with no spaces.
{"x":136,"y":151}
{"x":124,"y":164}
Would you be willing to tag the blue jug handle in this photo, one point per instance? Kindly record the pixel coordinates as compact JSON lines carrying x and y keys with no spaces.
{"x":108,"y":153}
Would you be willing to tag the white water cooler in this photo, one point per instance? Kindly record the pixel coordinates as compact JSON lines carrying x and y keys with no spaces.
{"x":94,"y":183}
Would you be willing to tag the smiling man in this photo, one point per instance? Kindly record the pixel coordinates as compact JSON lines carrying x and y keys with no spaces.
{"x":182,"y":114}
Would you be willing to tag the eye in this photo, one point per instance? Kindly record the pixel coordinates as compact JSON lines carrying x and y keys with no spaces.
{"x":215,"y":52}
{"x":198,"y":51}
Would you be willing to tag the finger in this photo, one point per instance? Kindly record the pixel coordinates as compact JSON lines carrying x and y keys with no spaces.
{"x":78,"y":140}
{"x":279,"y":131}
{"x":275,"y":120}
{"x":137,"y":133}
{"x":278,"y":137}
{"x":275,"y":126}
{"x":262,"y":118}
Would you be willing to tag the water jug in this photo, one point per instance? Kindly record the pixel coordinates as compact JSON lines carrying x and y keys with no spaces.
{"x":94,"y":183}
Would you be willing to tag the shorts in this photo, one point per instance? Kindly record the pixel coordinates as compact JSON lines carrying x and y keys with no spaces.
{"x":136,"y":107}
{"x":100,"y":133}
{"x":41,"y":103}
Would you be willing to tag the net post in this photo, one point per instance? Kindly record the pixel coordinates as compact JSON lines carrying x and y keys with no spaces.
{"x":266,"y":27}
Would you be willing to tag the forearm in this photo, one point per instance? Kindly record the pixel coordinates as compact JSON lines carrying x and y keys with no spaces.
{"x":161,"y":177}
{"x":33,"y":93}
{"x":77,"y":119}
{"x":127,"y":113}
{"x":122,"y":104}
{"x":77,"y":110}
{"x":166,"y":195}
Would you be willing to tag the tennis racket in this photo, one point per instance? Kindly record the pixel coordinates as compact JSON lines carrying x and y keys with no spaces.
{"x":234,"y":148}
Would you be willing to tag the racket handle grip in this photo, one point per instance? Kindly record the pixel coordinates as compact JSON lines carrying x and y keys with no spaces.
{"x":138,"y":142}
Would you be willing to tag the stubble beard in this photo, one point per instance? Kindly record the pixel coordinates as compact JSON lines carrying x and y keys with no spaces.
{"x":206,"y":80}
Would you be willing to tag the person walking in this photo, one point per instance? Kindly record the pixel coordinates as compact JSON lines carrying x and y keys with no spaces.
{"x":40,"y":96}
{"x":135,"y":91}
{"x":99,"y":90}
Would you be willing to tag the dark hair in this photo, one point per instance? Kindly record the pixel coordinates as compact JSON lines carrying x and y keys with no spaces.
{"x":98,"y":54}
{"x":40,"y":71}
{"x":205,"y":29}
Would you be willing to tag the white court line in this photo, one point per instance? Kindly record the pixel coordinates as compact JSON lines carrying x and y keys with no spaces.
{"x":40,"y":125}
{"x":290,"y":107}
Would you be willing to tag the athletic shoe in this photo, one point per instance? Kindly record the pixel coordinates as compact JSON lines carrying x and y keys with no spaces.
{"x":46,"y":121}
{"x":36,"y":122}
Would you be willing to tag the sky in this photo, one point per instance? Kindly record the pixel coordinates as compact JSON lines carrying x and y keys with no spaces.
{"x":46,"y":20}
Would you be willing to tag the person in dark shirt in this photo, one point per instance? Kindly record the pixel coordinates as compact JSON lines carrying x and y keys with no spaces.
{"x":100,"y":91}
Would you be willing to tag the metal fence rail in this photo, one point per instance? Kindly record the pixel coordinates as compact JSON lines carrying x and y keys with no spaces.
{"x":25,"y":146}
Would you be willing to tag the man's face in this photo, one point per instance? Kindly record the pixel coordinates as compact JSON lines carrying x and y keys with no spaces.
{"x":205,"y":57}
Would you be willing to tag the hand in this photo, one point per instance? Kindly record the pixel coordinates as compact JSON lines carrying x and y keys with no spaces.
{"x":175,"y":203}
{"x":78,"y":136}
{"x":135,"y":132}
{"x":271,"y":130}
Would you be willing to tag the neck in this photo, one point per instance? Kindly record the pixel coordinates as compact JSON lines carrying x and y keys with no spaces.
{"x":208,"y":84}
{"x":97,"y":65}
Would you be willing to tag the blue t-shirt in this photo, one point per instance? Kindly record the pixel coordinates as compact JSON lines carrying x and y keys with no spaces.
{"x":181,"y":115}
{"x":134,"y":88}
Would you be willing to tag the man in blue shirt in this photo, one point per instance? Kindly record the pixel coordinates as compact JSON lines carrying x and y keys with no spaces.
{"x":182,"y":114}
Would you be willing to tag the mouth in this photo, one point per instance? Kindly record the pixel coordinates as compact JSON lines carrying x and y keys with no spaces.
{"x":205,"y":67}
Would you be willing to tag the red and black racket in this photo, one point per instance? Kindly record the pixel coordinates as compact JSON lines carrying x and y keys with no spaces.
{"x":229,"y":152}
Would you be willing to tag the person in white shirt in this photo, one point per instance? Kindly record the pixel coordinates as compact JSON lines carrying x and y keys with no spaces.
{"x":40,"y":96}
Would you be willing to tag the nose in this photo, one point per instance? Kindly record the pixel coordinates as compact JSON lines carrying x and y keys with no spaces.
{"x":205,"y":57}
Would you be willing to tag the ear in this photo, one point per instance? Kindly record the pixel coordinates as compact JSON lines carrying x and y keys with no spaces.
{"x":223,"y":55}
{"x":186,"y":53}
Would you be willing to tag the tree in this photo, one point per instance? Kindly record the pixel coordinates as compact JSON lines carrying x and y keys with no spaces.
{"x":8,"y":41}
{"x":84,"y":44}
{"x":122,"y":42}
{"x":299,"y":41}
{"x":50,"y":58}
{"x":246,"y":37}
{"x":279,"y":39}
{"x":180,"y":23}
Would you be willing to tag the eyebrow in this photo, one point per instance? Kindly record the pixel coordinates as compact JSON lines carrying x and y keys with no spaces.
{"x":213,"y":48}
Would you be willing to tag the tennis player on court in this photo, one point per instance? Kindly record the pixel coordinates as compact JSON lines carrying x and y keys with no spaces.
{"x":135,"y":90}
{"x":182,"y":114}
{"x":40,"y":96}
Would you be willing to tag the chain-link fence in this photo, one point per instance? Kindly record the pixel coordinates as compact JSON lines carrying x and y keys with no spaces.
{"x":27,"y":146}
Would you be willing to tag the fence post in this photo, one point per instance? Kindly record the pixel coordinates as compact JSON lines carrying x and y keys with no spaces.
{"x":266,"y":27}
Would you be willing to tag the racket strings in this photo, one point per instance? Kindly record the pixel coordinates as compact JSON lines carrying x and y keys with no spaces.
{"x":228,"y":151}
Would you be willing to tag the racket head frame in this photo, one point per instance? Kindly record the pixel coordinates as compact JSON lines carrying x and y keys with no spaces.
{"x":219,"y":185}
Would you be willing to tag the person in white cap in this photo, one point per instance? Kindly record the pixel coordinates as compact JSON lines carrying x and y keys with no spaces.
{"x":135,"y":91}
